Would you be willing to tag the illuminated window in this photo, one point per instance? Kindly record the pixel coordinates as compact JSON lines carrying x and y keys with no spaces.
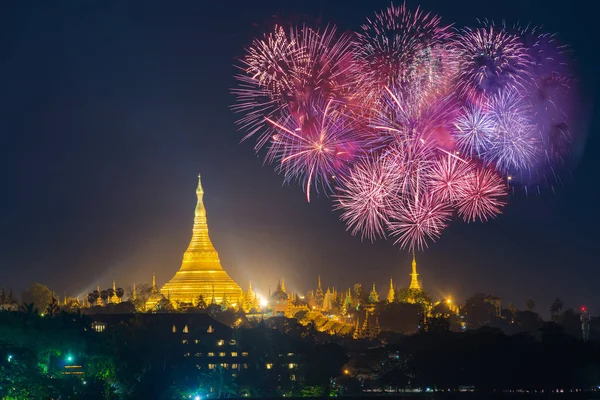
{"x":220,"y":342}
{"x":292,"y":377}
{"x":291,"y":365}
{"x":186,"y":354}
{"x":234,"y":375}
{"x":225,"y":365}
{"x":196,"y":341}
{"x":290,"y":354}
{"x":185,"y":329}
{"x":99,"y":326}
{"x":235,"y":366}
{"x":184,"y":341}
{"x":232,"y":342}
{"x":174,"y":329}
{"x":269,"y":366}
{"x":212,"y":366}
{"x":198,"y":355}
{"x":222,"y":354}
{"x":245,"y":366}
{"x":210,"y":329}
{"x":234,"y":354}
{"x":198,"y":366}
{"x":244,"y":354}
{"x":211,"y":354}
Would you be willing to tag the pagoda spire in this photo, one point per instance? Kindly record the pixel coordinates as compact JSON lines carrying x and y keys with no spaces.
{"x":200,"y":254}
{"x":414,"y":277}
{"x":134,"y":295}
{"x":373,"y":296}
{"x":282,"y":285}
{"x":153,"y":281}
{"x":319,"y":282}
{"x":114,"y":285}
{"x":391,"y":293}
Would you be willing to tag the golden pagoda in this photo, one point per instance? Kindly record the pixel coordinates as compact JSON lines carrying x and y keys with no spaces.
{"x":414,"y":277}
{"x":201,"y":272}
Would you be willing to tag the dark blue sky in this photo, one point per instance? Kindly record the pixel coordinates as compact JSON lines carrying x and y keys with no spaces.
{"x":111,"y":108}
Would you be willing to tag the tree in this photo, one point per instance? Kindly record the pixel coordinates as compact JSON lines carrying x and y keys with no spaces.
{"x":164,"y":305}
{"x":201,"y":303}
{"x":120,"y":293}
{"x":104,"y":296}
{"x":478,"y":311}
{"x":2,"y":296}
{"x":359,"y":293}
{"x":530,"y":304}
{"x":143,"y":293}
{"x":53,"y":310}
{"x":555,"y":309}
{"x":111,"y":293}
{"x":39,"y":295}
{"x":93,"y":297}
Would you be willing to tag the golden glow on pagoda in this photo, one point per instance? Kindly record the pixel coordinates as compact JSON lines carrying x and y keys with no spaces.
{"x":414,"y":277}
{"x":201,"y":272}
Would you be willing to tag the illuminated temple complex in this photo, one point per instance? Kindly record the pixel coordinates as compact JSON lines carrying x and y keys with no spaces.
{"x":201,"y":272}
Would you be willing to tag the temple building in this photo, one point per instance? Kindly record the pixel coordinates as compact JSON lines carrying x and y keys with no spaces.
{"x":279,"y":302}
{"x":201,"y":272}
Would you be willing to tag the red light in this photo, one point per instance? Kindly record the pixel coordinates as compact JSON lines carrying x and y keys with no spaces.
{"x":582,"y":308}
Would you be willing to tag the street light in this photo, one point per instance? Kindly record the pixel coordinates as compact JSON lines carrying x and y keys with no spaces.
{"x":10,"y":357}
{"x":69,"y":358}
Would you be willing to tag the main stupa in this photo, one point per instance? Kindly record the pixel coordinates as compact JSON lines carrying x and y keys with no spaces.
{"x":201,"y":272}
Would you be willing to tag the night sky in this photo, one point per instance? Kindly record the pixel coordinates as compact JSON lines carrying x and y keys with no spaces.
{"x":110,"y":109}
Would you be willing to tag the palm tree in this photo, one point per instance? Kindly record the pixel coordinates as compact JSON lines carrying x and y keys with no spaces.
{"x":111,"y":293}
{"x":93,"y":296}
{"x":120,"y":293}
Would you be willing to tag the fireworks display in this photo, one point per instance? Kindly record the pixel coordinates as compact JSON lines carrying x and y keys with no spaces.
{"x":409,"y":121}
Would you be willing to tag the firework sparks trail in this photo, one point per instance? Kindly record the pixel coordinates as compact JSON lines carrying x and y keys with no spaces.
{"x":408,"y":121}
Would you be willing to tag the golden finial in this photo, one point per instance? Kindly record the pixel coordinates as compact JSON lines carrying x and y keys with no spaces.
{"x":199,"y":188}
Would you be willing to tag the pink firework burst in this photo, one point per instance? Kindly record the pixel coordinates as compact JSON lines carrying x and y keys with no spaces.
{"x":286,"y":72}
{"x":365,"y":198}
{"x":400,"y":47}
{"x":316,"y":147}
{"x":490,"y":59}
{"x":449,"y":177}
{"x":483,"y":196}
{"x":418,"y":219}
